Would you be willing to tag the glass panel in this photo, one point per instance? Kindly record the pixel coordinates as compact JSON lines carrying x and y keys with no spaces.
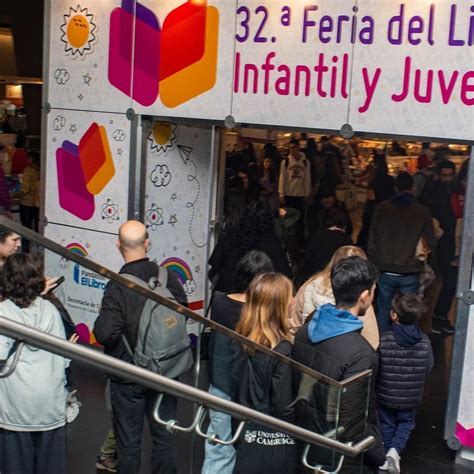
{"x":228,"y":367}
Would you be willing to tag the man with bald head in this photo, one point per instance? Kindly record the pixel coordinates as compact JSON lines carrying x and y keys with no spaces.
{"x":119,"y":316}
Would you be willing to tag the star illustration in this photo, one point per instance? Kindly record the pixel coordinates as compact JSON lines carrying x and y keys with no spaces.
{"x":87,"y":79}
{"x":73,"y":128}
{"x":80,"y":97}
{"x":197,"y":269}
{"x":119,"y":151}
{"x":147,"y":196}
{"x":188,"y":252}
{"x":174,"y":196}
{"x":55,"y":139}
{"x":173,"y":219}
{"x":175,"y":248}
{"x":96,"y":65}
{"x":111,"y":122}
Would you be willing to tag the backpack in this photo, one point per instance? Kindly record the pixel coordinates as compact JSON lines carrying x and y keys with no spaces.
{"x":163,"y":345}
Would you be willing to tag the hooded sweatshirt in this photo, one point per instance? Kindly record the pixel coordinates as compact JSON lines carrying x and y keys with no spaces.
{"x":330,"y":322}
{"x":406,"y":358}
{"x":332,"y":345}
{"x":396,"y":228}
{"x":33,"y":397}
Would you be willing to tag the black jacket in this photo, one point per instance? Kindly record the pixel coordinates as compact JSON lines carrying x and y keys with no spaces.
{"x":122,"y":307}
{"x":438,"y":200}
{"x":406,"y":358}
{"x":263,"y":383}
{"x":317,"y":217}
{"x":321,"y":247}
{"x":396,"y":228}
{"x":339,"y":358}
{"x":227,"y":255}
{"x":222,"y":350}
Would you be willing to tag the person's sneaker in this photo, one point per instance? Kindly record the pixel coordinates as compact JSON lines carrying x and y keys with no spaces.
{"x":393,"y":461}
{"x":384,"y":466}
{"x":107,"y":463}
{"x":436,"y":325}
{"x":447,"y":327}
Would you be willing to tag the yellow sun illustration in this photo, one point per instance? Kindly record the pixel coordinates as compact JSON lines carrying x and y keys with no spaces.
{"x":162,"y":136}
{"x":78,"y":31}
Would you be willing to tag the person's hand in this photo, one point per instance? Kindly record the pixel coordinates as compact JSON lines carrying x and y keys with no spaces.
{"x":49,"y":284}
{"x":282,"y":212}
{"x":74,"y":338}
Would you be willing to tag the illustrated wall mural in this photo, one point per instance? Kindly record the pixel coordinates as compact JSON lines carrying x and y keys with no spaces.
{"x":87,"y":169}
{"x":82,"y":290}
{"x":151,"y":56}
{"x":178,"y":188}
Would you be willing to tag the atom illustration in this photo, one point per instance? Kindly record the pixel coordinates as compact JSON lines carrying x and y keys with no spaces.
{"x":154,"y":217}
{"x":109,"y":211}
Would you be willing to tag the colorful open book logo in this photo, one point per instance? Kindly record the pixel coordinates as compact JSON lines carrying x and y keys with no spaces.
{"x":83,"y":171}
{"x":177,"y":61}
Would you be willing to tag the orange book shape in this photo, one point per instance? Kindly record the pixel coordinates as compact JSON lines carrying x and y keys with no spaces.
{"x":96,"y":158}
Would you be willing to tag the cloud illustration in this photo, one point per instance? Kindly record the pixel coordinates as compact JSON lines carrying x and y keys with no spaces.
{"x":61,"y":76}
{"x":160,"y":176}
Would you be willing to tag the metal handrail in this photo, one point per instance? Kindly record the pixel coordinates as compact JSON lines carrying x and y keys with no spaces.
{"x":145,"y":291}
{"x":213,"y":438}
{"x":131,"y":372}
{"x":173,"y":425}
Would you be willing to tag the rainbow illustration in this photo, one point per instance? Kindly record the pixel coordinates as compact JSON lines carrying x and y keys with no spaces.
{"x":180,"y":267}
{"x":77,"y":248}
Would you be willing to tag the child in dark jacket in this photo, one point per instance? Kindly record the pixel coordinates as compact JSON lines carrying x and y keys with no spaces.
{"x":406,"y":358}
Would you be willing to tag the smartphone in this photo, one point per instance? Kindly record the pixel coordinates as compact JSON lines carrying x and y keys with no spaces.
{"x":61,"y":279}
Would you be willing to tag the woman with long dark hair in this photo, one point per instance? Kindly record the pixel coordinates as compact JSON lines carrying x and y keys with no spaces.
{"x":262,"y":382}
{"x":255,"y":231}
{"x":33,"y":397}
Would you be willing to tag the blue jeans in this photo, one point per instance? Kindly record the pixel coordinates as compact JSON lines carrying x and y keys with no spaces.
{"x":396,"y":427}
{"x":388,"y":286}
{"x":219,"y":459}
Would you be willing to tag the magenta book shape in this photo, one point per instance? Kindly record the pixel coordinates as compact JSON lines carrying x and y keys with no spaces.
{"x":73,"y":194}
{"x":144,"y":72}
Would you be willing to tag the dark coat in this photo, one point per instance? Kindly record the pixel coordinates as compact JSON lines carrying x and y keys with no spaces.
{"x":265,"y":384}
{"x":122,"y":307}
{"x":438,"y":200}
{"x":317,"y":217}
{"x":339,"y":358}
{"x":406,"y":358}
{"x":222,"y":350}
{"x":227,"y":254}
{"x":321,"y":247}
{"x":396,"y":228}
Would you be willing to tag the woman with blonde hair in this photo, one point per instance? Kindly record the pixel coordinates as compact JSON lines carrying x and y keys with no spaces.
{"x":317,"y":292}
{"x":262,"y":382}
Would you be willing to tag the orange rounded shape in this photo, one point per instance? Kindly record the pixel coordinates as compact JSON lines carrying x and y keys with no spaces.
{"x":78,"y":31}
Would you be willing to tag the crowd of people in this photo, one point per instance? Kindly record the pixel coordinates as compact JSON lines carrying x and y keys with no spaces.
{"x":341,"y":309}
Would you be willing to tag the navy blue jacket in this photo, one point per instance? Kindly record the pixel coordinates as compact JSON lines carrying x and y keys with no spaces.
{"x":406,"y":358}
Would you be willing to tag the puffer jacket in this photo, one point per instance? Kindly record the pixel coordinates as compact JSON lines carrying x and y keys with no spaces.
{"x":332,"y":345}
{"x":406,"y":357}
{"x":314,"y":294}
